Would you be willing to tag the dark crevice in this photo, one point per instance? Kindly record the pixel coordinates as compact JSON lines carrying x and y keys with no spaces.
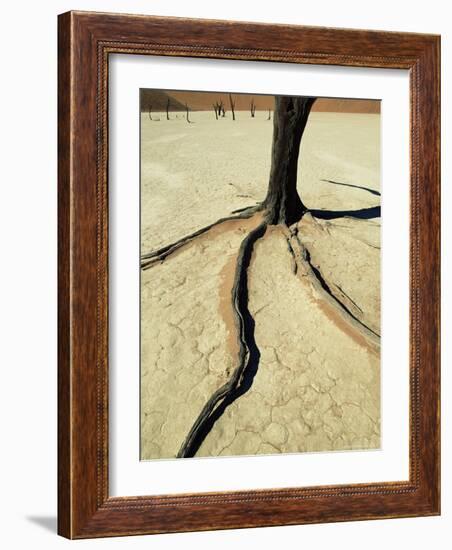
{"x":249,"y":354}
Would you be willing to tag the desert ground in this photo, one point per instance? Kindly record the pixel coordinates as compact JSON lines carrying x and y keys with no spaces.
{"x":316,"y":313}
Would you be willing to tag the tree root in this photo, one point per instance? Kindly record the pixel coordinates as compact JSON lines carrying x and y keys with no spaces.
{"x":249,"y":354}
{"x":248,"y":357}
{"x":304,"y":268}
{"x":156,"y":256}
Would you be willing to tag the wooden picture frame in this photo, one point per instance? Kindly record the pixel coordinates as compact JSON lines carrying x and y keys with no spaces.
{"x":85,"y":42}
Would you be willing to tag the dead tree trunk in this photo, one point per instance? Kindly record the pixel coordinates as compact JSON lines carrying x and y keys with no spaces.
{"x":187,"y":110}
{"x":282,"y":203}
{"x":252,"y":108}
{"x":232,"y":103}
{"x":167,"y":108}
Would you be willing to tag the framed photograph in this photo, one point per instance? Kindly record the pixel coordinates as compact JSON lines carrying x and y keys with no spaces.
{"x":248,"y":275}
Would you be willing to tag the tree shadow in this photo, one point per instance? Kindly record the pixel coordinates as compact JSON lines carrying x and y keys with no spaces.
{"x":49,"y":523}
{"x":361,"y":214}
{"x":372,"y":191}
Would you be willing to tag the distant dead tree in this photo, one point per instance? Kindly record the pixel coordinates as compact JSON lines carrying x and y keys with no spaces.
{"x":167,"y":108}
{"x":269,"y":115}
{"x":187,"y":110}
{"x":150,"y":114}
{"x":252,"y":108}
{"x":232,"y":103}
{"x":218,"y":107}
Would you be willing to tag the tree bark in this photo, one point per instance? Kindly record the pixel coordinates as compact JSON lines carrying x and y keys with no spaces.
{"x":283,"y":203}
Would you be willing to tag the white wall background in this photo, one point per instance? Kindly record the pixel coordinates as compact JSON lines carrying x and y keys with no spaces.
{"x":28,"y":235}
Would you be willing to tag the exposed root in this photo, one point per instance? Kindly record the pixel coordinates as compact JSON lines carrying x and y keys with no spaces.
{"x":333,"y":295}
{"x":258,"y":206}
{"x":248,"y":356}
{"x":347,"y":229}
{"x":292,"y":253}
{"x":347,"y":297}
{"x":320,"y":286}
{"x":248,"y":353}
{"x":150,"y":258}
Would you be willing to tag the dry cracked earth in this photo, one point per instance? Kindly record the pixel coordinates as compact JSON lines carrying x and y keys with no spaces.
{"x":312,"y":380}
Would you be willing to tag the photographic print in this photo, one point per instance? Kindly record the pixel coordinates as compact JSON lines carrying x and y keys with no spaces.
{"x":260,"y":274}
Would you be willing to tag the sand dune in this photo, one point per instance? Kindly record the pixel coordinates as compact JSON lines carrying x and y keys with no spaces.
{"x":204,"y":101}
